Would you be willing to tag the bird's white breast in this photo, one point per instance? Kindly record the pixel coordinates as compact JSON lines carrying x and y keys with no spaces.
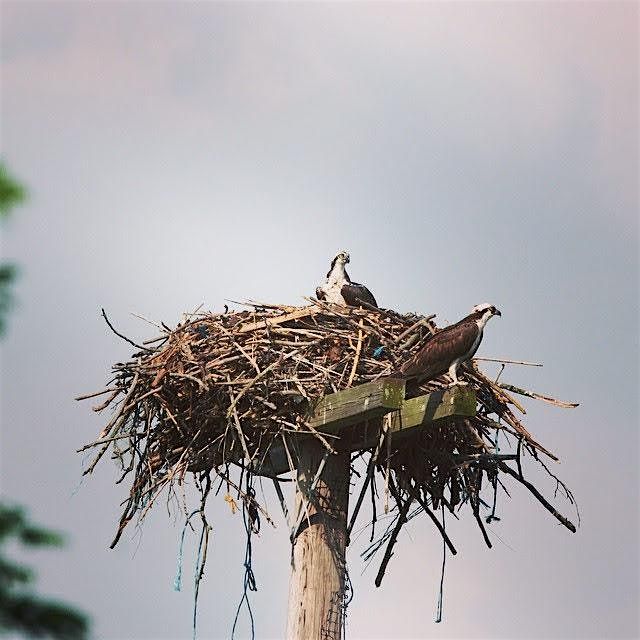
{"x":333,"y":292}
{"x":476,"y":342}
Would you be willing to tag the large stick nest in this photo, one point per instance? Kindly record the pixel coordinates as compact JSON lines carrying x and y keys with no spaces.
{"x":220,"y":389}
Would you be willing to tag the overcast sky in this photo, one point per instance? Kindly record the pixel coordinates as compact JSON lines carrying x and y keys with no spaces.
{"x":187,"y":153}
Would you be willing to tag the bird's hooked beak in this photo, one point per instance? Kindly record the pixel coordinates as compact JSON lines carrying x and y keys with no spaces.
{"x":497,"y":313}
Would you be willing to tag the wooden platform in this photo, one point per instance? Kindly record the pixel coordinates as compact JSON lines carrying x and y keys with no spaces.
{"x":350,"y":419}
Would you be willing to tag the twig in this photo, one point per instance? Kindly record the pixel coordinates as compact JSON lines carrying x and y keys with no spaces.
{"x":240,"y":349}
{"x":357,"y":356}
{"x":131,"y":342}
{"x":112,"y":427}
{"x":261,"y":375}
{"x":483,"y":457}
{"x":236,"y":422}
{"x":283,"y":502}
{"x":413,"y":327}
{"x":539,"y":396}
{"x":502,"y":395}
{"x":294,"y":315}
{"x":387,"y":474}
{"x":370,"y":469}
{"x":402,"y":518}
{"x":435,"y":521}
{"x":558,"y":516}
{"x":99,"y":393}
{"x":186,"y":376}
{"x":304,"y":510}
{"x":321,"y":437}
{"x":505,"y":361}
{"x":103,"y":405}
{"x":105,"y":440}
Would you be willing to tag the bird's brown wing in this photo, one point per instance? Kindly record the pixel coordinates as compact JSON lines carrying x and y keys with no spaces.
{"x":355,"y":294}
{"x":440,"y":351}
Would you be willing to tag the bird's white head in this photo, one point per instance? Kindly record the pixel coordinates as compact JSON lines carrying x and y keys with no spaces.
{"x":486,"y":311}
{"x":337,"y":271}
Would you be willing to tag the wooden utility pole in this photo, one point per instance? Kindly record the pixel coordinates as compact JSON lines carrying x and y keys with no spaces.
{"x":318,"y":563}
{"x":319,"y":538}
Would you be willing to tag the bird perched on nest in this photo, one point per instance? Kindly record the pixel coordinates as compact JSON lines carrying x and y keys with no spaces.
{"x":339,"y":289}
{"x":447,"y":349}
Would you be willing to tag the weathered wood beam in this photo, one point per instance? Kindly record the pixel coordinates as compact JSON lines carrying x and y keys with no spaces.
{"x":424,"y":410}
{"x":444,"y":403}
{"x":335,"y":413}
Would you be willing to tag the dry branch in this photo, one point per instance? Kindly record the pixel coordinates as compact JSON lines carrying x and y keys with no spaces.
{"x":539,"y":396}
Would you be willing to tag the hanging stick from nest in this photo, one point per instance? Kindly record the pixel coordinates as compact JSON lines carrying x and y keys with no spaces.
{"x":387,"y":474}
{"x":558,"y":516}
{"x":435,"y":521}
{"x":283,"y":502}
{"x":402,"y":518}
{"x":370,"y":470}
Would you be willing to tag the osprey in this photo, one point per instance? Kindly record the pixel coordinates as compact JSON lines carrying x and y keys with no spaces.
{"x":339,"y":289}
{"x":447,"y":349}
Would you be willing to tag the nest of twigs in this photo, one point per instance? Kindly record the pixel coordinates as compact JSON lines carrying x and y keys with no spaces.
{"x":220,"y":389}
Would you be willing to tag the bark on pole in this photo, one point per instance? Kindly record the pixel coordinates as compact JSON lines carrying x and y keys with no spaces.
{"x":318,"y":566}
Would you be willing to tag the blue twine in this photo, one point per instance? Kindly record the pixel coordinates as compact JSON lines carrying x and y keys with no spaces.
{"x":377,"y":352}
{"x":202,"y":331}
{"x":77,"y":488}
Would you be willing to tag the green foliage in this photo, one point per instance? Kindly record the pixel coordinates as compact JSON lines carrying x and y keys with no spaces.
{"x":37,"y":618}
{"x":13,"y":522}
{"x":11,"y":192}
{"x":12,"y":574}
{"x":22,"y":611}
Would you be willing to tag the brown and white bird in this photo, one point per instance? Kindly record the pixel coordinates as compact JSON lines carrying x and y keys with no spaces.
{"x":339,"y":289}
{"x":447,"y":349}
